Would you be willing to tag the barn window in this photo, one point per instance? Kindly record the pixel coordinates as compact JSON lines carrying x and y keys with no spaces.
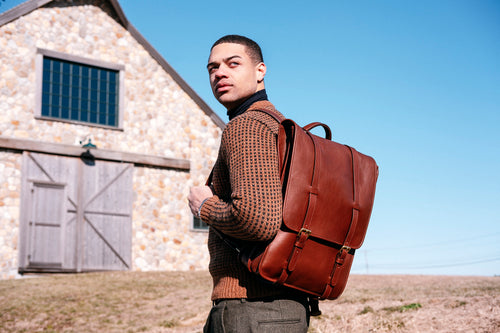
{"x":79,"y":90}
{"x":198,"y":224}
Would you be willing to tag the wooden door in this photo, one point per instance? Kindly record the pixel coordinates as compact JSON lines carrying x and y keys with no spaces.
{"x":107,"y":208}
{"x":46,"y":226}
{"x":47,"y":217}
{"x":75,"y":215}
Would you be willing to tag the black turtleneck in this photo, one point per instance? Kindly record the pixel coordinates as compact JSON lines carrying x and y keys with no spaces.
{"x":258,"y":96}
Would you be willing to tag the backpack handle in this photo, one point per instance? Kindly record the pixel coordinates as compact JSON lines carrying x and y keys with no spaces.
{"x":328,"y":132}
{"x":307,"y":128}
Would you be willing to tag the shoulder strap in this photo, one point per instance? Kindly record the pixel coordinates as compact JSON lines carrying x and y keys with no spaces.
{"x":209,"y":179}
{"x":228,"y":240}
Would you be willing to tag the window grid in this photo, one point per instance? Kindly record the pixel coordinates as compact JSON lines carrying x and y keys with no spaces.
{"x":77,"y":92}
{"x":198,"y":224}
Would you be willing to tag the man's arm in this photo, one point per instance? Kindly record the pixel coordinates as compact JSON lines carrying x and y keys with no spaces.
{"x":253,"y":211}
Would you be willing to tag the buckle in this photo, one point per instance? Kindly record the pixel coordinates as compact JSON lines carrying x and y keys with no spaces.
{"x":345,"y":248}
{"x":342,"y":254}
{"x":304,"y":231}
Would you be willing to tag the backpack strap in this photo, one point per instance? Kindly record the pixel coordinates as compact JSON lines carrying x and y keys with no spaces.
{"x":346,"y":247}
{"x":305,"y":231}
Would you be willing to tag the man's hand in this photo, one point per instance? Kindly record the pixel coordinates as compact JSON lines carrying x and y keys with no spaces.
{"x":196,"y":196}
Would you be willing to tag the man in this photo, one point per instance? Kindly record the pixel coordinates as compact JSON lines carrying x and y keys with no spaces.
{"x":245,"y":198}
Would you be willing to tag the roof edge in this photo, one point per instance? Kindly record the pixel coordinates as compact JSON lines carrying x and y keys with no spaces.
{"x":177,"y":78}
{"x":21,"y":9}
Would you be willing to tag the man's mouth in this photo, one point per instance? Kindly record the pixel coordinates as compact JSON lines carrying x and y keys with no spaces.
{"x":222,"y":87}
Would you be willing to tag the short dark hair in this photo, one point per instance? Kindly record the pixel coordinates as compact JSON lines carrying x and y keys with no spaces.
{"x":253,"y":49}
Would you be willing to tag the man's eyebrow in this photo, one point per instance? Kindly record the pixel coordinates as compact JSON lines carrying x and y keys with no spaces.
{"x":213,"y":63}
{"x":231,"y":58}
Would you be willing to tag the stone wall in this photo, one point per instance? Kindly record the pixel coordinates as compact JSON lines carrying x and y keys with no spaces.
{"x":10,"y":187}
{"x":160,"y":118}
{"x":162,"y":238}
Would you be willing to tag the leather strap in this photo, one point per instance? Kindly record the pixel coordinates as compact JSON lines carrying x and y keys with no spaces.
{"x":305,"y":231}
{"x":341,"y":255}
{"x":355,"y":195}
{"x":236,"y":247}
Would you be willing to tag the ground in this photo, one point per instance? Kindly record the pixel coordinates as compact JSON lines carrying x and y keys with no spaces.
{"x":179,"y":302}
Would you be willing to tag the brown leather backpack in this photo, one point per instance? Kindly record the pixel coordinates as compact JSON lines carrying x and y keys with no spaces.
{"x":328,"y":193}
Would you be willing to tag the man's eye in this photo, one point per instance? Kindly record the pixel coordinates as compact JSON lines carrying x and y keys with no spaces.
{"x":234,"y":63}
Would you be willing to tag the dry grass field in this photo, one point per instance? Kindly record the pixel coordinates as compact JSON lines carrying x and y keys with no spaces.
{"x":179,"y":302}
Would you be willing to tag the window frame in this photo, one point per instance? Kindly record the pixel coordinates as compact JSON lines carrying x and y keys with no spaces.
{"x":41,"y":53}
{"x":198,"y":225}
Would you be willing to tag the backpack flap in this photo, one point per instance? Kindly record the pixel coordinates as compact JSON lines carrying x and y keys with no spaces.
{"x":322,"y":182}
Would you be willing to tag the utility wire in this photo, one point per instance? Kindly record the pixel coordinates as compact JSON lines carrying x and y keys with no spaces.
{"x":423,"y":245}
{"x":403,"y":266}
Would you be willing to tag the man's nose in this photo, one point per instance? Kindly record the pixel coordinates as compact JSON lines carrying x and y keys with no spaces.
{"x":221,"y":72}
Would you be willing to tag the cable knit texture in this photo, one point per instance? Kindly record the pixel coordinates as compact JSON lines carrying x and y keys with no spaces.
{"x":247,"y":204}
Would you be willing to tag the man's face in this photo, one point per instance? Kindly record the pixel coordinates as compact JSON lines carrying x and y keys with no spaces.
{"x":234,"y":76}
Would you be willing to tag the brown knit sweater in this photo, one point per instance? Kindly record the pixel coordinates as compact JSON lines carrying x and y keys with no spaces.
{"x":247,"y":204}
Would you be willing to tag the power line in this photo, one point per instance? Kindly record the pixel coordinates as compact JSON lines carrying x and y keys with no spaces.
{"x":437,"y":244}
{"x":465,"y":263}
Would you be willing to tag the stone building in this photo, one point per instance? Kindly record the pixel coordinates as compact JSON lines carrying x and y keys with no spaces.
{"x":100,"y":140}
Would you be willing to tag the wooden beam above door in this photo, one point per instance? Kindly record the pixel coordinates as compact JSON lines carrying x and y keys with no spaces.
{"x":97,"y":153}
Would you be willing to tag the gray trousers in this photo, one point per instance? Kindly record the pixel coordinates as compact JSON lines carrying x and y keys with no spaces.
{"x":245,"y":316}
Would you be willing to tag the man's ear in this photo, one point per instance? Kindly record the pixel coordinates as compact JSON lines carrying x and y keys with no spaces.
{"x":261,"y":72}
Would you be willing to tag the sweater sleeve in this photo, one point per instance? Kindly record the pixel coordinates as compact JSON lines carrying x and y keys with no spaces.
{"x":252,"y":208}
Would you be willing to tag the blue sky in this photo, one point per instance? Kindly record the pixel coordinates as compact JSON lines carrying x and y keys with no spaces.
{"x":415,"y":84}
